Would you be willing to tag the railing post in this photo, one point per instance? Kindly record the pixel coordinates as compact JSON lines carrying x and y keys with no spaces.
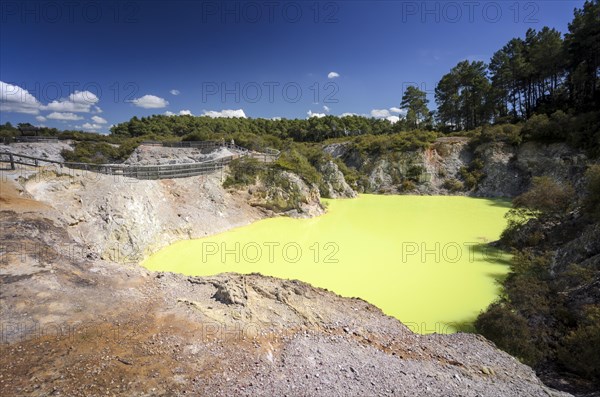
{"x":12,"y":161}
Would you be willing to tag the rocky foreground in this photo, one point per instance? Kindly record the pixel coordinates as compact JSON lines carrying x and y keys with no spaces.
{"x":76,"y":322}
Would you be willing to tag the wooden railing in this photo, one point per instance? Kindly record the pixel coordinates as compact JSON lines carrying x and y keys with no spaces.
{"x":165,"y":171}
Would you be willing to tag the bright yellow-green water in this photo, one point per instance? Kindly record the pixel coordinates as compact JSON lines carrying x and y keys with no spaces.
{"x":418,"y":258}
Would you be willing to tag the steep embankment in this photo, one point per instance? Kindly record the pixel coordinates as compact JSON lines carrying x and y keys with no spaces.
{"x":76,"y":325}
{"x":125,"y":219}
{"x":453,"y":165}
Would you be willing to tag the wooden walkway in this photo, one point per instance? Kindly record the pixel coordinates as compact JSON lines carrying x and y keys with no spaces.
{"x":165,"y":171}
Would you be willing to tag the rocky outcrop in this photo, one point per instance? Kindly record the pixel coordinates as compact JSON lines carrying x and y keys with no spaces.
{"x":509,"y":170}
{"x":285,"y":192}
{"x":502,"y":176}
{"x":417,"y":172}
{"x":443,"y":162}
{"x":505,"y":170}
{"x":47,"y":150}
{"x":334,"y":183}
{"x":583,"y":249}
{"x":124,"y":219}
{"x":159,"y":155}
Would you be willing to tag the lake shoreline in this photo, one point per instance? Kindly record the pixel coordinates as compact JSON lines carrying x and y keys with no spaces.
{"x":257,"y":248}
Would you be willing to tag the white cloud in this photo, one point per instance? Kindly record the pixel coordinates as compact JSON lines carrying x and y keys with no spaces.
{"x":380,"y":113}
{"x":175,"y":92}
{"x":77,"y":102}
{"x":181,"y":113}
{"x":98,"y":120}
{"x":276,"y":118}
{"x":333,"y":75}
{"x":225,"y":113}
{"x":15,"y":99}
{"x":387,"y":114}
{"x":150,"y":102}
{"x":318,"y":115}
{"x":83,"y":97}
{"x":348,"y":114}
{"x":401,"y":112}
{"x":326,"y":108}
{"x":40,"y":118}
{"x":89,"y":127}
{"x":64,"y":116}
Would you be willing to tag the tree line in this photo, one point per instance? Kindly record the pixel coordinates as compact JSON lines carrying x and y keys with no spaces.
{"x":314,"y":129}
{"x":540,"y":73}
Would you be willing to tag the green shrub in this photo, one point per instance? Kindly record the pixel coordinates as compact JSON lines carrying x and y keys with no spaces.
{"x":580,"y":350}
{"x":473,"y":173}
{"x":408,"y":185}
{"x":292,"y":160}
{"x":509,"y":331}
{"x":453,"y":185}
{"x":243,"y":172}
{"x":556,"y":127}
{"x":510,"y":133}
{"x":592,"y":195}
{"x":584,"y":132}
{"x":351,"y":175}
{"x":92,"y":152}
{"x":373,"y":145}
{"x":546,"y":196}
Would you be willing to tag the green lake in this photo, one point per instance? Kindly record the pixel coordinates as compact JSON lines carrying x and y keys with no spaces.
{"x":421,"y":259}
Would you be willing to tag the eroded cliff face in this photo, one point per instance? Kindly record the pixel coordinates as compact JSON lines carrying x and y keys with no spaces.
{"x":335,"y":184}
{"x":284,"y":193}
{"x":452,"y":165}
{"x":124,"y":219}
{"x":509,"y":170}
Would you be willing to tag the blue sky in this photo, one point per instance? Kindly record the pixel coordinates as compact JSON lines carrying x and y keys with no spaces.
{"x":89,"y":64}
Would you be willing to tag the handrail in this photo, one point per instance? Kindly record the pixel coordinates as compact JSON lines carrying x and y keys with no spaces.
{"x":158,"y":171}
